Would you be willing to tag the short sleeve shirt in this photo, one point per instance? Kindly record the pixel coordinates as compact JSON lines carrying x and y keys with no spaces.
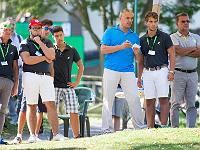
{"x":33,"y":48}
{"x":63,"y":65}
{"x":159,"y":44}
{"x":10,"y":54}
{"x":123,"y":60}
{"x":192,"y":40}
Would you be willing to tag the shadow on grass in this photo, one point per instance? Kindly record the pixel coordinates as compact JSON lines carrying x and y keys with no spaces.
{"x":177,"y":146}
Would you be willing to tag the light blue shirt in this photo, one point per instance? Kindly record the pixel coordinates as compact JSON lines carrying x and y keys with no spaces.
{"x":123,"y":60}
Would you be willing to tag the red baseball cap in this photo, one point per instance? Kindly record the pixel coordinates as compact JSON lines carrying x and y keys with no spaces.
{"x":35,"y":22}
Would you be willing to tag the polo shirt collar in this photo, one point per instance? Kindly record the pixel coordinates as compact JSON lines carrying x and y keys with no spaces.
{"x":9,"y":41}
{"x":157,"y":33}
{"x":118,"y":28}
{"x":66,"y":47}
{"x":179,"y":34}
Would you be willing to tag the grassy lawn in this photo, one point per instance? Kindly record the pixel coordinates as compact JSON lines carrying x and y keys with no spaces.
{"x":147,"y":139}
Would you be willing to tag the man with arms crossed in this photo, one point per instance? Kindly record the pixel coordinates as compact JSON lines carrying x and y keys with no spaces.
{"x":187,"y":48}
{"x":37,"y":54}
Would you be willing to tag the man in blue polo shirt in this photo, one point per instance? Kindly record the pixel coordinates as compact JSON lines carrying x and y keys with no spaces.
{"x":8,"y":71}
{"x":116,"y":45}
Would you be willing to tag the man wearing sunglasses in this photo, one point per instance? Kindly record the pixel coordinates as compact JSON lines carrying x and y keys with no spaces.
{"x":184,"y":88}
{"x":37,"y":53}
{"x":46,"y":28}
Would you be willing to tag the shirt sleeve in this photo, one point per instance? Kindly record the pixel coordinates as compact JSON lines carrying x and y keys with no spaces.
{"x":49,"y":44}
{"x":23,"y":47}
{"x":76,"y":56}
{"x":168,"y":42}
{"x":106,"y":37}
{"x":197,"y":40}
{"x":141,"y":48}
{"x":174,"y":39}
{"x":16,"y":55}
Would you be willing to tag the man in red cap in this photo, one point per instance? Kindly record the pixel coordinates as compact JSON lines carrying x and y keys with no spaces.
{"x":37,"y":54}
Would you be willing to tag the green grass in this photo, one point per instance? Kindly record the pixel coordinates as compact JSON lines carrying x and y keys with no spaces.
{"x":147,"y":139}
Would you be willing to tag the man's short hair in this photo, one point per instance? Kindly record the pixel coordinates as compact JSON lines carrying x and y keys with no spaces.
{"x":57,"y":29}
{"x":47,"y":22}
{"x":150,"y":14}
{"x":125,"y":10}
{"x":181,"y":14}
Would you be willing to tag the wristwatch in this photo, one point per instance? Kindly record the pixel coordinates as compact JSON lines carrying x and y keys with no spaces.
{"x":171,"y":71}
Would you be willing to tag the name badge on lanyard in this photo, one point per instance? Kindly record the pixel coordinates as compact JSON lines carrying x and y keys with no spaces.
{"x":151,"y":51}
{"x":4,"y":62}
{"x":37,"y":53}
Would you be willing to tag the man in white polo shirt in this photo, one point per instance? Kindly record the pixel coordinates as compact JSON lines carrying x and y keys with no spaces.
{"x":187,"y":48}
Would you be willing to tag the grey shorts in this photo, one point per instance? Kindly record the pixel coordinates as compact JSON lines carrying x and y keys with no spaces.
{"x":120,"y":107}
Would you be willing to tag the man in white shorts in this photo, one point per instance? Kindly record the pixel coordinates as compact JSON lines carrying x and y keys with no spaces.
{"x":37,"y":53}
{"x":156,"y":46}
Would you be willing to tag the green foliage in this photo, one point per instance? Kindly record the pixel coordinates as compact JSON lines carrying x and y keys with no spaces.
{"x":36,"y":7}
{"x":170,"y":10}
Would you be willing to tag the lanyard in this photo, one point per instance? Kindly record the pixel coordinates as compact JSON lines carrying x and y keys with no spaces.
{"x":37,"y":47}
{"x":2,"y":52}
{"x":154,"y":41}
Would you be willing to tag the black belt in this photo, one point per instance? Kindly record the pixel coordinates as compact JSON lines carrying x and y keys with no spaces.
{"x":155,"y":68}
{"x":186,"y":71}
{"x":42,"y":73}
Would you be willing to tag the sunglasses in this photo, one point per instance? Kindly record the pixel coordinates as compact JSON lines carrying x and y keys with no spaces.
{"x":184,"y":21}
{"x":47,"y":28}
{"x":36,"y":28}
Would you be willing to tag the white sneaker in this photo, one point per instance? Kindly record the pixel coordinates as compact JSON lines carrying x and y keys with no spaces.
{"x":17,"y":140}
{"x":38,"y":139}
{"x":32,"y":139}
{"x":59,"y":137}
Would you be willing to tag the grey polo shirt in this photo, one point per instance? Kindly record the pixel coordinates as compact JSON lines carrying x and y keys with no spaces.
{"x":192,"y":40}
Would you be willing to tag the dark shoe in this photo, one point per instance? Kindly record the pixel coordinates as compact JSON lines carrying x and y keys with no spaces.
{"x":3,"y":142}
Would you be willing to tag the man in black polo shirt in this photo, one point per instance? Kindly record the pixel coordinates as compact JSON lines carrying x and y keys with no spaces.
{"x":64,"y":88}
{"x":8,"y":71}
{"x":37,"y":54}
{"x":156,"y":46}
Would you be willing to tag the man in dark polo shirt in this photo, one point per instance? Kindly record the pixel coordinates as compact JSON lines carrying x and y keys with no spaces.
{"x":64,"y":88}
{"x":37,"y":54}
{"x":156,"y":47}
{"x":8,"y":71}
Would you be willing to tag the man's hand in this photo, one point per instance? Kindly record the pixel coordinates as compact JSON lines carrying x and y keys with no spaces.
{"x":14,"y":91}
{"x":37,"y":40}
{"x":73,"y":84}
{"x":48,"y":60}
{"x":170,"y":76}
{"x":139,"y":83}
{"x":126,"y":44}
